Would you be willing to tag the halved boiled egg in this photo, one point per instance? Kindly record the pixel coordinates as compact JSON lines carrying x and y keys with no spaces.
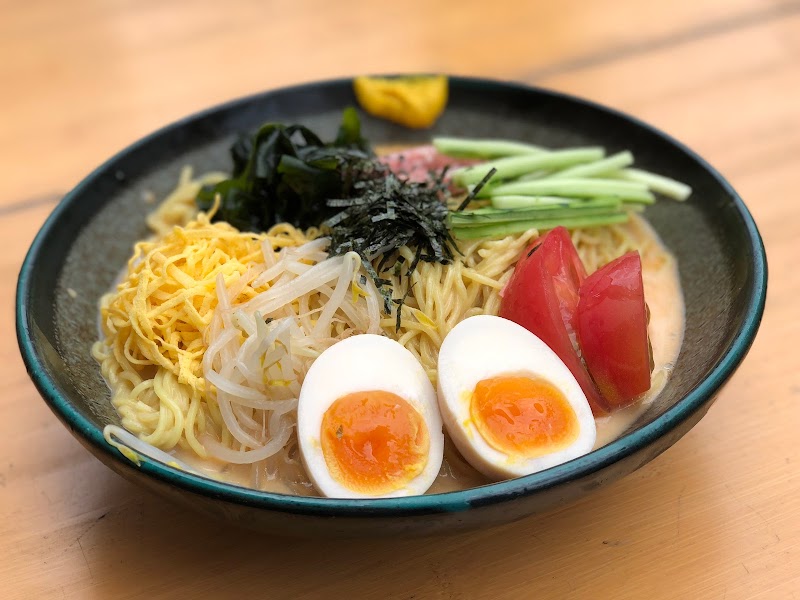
{"x":368,"y":424}
{"x":510,"y":404}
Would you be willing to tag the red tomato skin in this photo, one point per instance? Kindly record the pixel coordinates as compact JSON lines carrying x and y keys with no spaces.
{"x":612,"y":330}
{"x":542,"y":296}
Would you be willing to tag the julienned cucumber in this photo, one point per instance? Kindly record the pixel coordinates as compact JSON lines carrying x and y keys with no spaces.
{"x":463,"y":147}
{"x":658,"y":183}
{"x":597,"y":168}
{"x":630,"y":191}
{"x":514,"y":166}
{"x":508,"y":228}
{"x":533,"y":187}
{"x":484,"y":217}
{"x":546,"y":202}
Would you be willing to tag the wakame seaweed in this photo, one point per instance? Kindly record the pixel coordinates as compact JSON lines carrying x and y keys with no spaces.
{"x":286,"y":173}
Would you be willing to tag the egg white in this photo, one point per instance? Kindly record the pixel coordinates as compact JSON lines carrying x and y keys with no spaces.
{"x":358,"y":364}
{"x":483,"y":347}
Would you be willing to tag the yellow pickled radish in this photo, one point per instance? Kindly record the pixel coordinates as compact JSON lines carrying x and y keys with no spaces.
{"x":414,"y":101}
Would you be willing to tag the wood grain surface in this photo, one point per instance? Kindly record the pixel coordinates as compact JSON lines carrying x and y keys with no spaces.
{"x":716,"y":516}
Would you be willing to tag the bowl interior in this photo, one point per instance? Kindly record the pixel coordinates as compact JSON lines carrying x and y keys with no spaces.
{"x":92,"y":232}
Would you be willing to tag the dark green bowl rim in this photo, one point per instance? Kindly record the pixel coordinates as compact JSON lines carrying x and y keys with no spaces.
{"x":412,"y":505}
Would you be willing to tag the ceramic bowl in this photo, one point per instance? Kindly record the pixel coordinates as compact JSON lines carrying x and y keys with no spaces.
{"x":87,"y":239}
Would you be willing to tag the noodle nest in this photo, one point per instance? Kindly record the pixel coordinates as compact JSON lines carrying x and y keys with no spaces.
{"x":210,"y":331}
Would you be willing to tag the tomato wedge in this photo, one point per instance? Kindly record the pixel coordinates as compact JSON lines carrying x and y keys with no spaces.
{"x":542,"y":296}
{"x":612,"y":330}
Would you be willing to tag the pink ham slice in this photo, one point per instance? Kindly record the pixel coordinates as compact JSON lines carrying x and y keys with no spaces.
{"x":416,"y":164}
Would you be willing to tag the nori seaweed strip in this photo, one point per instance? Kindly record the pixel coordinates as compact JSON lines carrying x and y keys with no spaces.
{"x":381,"y":284}
{"x":400,"y":302}
{"x":346,"y":202}
{"x":473,"y":194}
{"x":417,"y":256}
{"x":381,"y":266}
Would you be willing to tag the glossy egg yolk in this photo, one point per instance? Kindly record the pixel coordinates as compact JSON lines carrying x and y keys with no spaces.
{"x":374,"y":442}
{"x":523,"y":416}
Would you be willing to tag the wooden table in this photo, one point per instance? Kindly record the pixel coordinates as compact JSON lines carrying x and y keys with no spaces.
{"x":717,"y":516}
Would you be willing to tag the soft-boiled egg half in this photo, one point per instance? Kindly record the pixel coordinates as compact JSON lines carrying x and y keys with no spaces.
{"x":510,"y":404}
{"x":368,"y":424}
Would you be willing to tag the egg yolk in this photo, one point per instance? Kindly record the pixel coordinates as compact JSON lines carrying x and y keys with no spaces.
{"x":374,"y":442}
{"x":523,"y":416}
